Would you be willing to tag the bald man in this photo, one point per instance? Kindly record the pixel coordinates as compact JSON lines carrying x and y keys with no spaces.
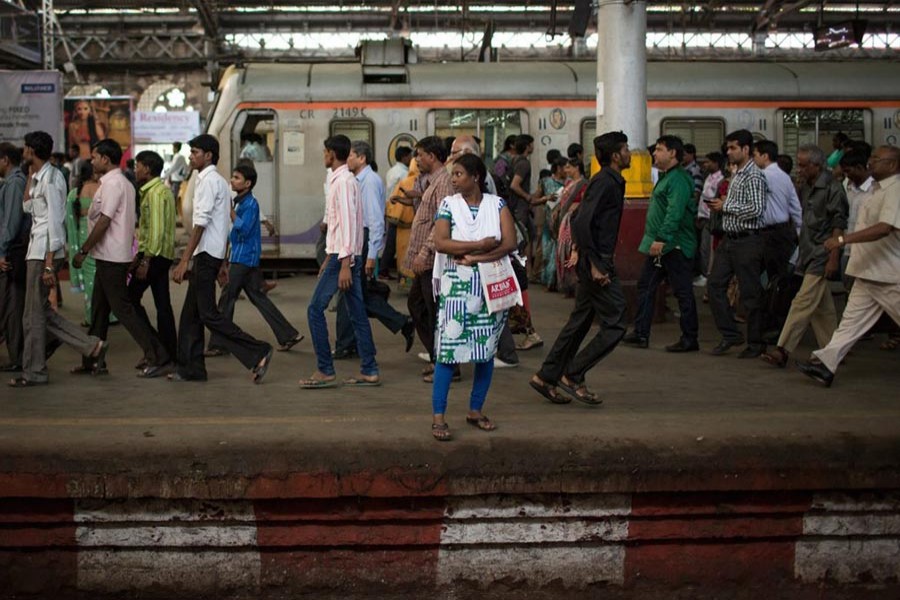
{"x":467,"y":144}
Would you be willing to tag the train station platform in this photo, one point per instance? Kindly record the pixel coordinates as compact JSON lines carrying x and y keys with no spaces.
{"x":698,"y":477}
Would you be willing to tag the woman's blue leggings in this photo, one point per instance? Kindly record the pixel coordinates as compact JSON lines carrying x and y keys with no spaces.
{"x":443,"y":374}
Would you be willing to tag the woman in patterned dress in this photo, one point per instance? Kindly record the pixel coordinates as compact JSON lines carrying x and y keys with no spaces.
{"x":466,"y":331}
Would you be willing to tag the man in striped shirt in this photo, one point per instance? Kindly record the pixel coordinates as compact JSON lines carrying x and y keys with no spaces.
{"x":156,"y":249}
{"x":741,"y":251}
{"x":342,"y":270}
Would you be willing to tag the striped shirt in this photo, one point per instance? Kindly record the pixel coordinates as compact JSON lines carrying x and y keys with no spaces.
{"x":746,"y":201}
{"x":420,"y":240}
{"x":343,"y":214}
{"x":156,"y":236}
{"x":246,"y":237}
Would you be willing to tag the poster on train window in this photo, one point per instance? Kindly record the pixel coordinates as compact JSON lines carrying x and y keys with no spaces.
{"x":89,"y":120}
{"x":30,"y":101}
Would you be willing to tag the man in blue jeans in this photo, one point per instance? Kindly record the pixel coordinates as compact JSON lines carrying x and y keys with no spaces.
{"x":342,"y":270}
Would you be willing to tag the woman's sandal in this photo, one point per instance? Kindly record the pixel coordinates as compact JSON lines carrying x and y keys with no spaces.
{"x":776,"y":358}
{"x":482,"y":423}
{"x":580,"y":393}
{"x":441,"y":432}
{"x":290,"y":344}
{"x":548,"y":391}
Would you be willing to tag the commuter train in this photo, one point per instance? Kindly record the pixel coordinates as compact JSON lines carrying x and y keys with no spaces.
{"x":294,"y":107}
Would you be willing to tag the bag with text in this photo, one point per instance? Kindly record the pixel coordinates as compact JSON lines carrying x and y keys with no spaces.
{"x":500,"y":286}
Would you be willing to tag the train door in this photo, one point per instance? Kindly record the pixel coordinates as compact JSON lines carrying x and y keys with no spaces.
{"x":491,"y":126}
{"x":254,"y":136}
{"x":801,"y":126}
{"x":706,"y":133}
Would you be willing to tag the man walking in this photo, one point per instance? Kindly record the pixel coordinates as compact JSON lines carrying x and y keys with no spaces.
{"x":45,"y":201}
{"x":156,"y":250}
{"x":342,"y":269}
{"x":371,"y":191}
{"x":782,"y":218}
{"x":825,"y":212}
{"x":595,"y":230}
{"x":111,"y":220}
{"x":741,"y":250}
{"x":670,"y":242}
{"x":209,"y":238}
{"x":13,"y":244}
{"x":874,"y":263}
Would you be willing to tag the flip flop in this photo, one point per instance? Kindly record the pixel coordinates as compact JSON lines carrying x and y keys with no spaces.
{"x":260,"y":371}
{"x":21,"y":382}
{"x":318,"y":384}
{"x":586,"y":397}
{"x":548,"y":392}
{"x":290,"y":344}
{"x":360,"y":382}
{"x":482,"y":423}
{"x":441,"y":432}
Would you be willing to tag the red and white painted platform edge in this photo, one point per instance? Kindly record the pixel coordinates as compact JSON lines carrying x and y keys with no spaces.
{"x":568,"y":540}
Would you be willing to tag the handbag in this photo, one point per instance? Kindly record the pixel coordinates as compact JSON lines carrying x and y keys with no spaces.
{"x":499,"y":284}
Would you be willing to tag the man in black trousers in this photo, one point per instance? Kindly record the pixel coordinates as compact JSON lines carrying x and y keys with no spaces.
{"x":595,"y":230}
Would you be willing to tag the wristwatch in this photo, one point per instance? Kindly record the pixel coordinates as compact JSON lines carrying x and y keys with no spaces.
{"x":48,"y":269}
{"x":841,"y":240}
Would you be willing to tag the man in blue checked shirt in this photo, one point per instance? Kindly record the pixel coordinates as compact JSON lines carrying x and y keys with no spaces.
{"x":244,"y":273}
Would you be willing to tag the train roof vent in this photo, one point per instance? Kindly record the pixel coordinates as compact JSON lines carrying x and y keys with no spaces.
{"x":384,"y":61}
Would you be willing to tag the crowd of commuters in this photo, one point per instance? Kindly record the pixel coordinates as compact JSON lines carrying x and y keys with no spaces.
{"x":767,"y":249}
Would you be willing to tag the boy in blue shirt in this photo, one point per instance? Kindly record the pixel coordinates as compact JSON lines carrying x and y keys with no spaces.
{"x":243,"y":266}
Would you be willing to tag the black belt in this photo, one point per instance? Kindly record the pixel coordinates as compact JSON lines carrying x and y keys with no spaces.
{"x":736,"y":235}
{"x":777,"y":226}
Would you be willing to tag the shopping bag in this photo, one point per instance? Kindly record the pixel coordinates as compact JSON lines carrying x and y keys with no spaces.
{"x":498,"y":281}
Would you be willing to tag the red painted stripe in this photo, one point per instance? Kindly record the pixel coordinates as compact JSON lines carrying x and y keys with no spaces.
{"x":26,"y":485}
{"x":48,"y":526}
{"x":724,"y":528}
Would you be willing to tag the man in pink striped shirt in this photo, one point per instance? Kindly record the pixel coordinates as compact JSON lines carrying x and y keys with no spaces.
{"x":342,"y":270}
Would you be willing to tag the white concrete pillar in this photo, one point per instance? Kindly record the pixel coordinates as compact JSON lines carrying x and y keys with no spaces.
{"x":622,"y":69}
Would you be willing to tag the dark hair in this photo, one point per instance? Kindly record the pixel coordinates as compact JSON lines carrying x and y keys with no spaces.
{"x":448,"y":143}
{"x":151,"y":160}
{"x":574,"y":150}
{"x":841,"y":138}
{"x":130,"y":164}
{"x":402,"y":152}
{"x":608,"y":144}
{"x":688,"y":149}
{"x":85,"y":172}
{"x":12,"y":153}
{"x":176,"y":146}
{"x":552,"y":155}
{"x":718,"y":158}
{"x":206,"y":143}
{"x":559,"y":163}
{"x":785,"y":163}
{"x":41,"y":143}
{"x":769,"y":148}
{"x":522,"y":142}
{"x":474,"y":166}
{"x":860,"y":146}
{"x":110,"y":149}
{"x":58,"y":156}
{"x":673,"y":142}
{"x":544,"y":173}
{"x":510,"y":142}
{"x":363,"y":149}
{"x":247,"y":171}
{"x":340,"y":145}
{"x":574,"y":162}
{"x":433,"y":145}
{"x":75,"y":147}
{"x":743,"y":138}
{"x":855,"y":158}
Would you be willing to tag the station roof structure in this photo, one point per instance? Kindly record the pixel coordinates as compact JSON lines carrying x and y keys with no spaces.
{"x":148,"y":35}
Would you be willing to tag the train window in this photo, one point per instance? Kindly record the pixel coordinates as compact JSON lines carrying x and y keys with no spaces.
{"x":491,"y":126}
{"x":254,"y":135}
{"x":358,"y":130}
{"x":818,"y":126}
{"x":588,"y":133}
{"x":707,"y":134}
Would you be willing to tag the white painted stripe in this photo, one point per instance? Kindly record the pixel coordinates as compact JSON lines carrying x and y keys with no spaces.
{"x":847,"y":561}
{"x":839,"y":525}
{"x":207,"y":574}
{"x":857,"y":503}
{"x":161,"y":511}
{"x":533,"y":532}
{"x":577,"y":567}
{"x":168,"y":536}
{"x":511,"y":507}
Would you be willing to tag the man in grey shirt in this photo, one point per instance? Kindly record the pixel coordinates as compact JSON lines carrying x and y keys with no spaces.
{"x":13,"y":232}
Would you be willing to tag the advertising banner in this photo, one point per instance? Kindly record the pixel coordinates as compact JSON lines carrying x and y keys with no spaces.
{"x":165,"y":127}
{"x":89,"y":120}
{"x":30,"y":101}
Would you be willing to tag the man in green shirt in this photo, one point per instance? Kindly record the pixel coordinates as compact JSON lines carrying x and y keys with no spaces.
{"x":156,"y":248}
{"x":670,"y":243}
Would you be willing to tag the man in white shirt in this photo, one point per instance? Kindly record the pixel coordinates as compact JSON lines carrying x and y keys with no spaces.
{"x":403,"y":155}
{"x":342,"y":270}
{"x":855,"y":165}
{"x":177,"y":170}
{"x":110,"y":242}
{"x":874,"y":263}
{"x":45,"y":201}
{"x":207,"y":245}
{"x":371,"y":192}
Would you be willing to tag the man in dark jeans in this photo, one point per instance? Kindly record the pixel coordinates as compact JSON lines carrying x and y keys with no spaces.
{"x":670,"y":242}
{"x":595,"y":230}
{"x":15,"y":229}
{"x":741,"y":251}
{"x":112,"y":219}
{"x":156,"y":249}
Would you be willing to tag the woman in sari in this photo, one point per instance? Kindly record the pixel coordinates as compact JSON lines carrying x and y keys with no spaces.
{"x":570,"y":200}
{"x":77,"y":205}
{"x":471,"y":227}
{"x":551,"y":189}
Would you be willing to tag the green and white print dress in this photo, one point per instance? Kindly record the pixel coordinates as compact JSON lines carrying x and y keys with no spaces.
{"x":466,"y":332}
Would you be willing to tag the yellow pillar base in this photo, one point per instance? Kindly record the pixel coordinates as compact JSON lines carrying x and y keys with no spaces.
{"x":638,"y":183}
